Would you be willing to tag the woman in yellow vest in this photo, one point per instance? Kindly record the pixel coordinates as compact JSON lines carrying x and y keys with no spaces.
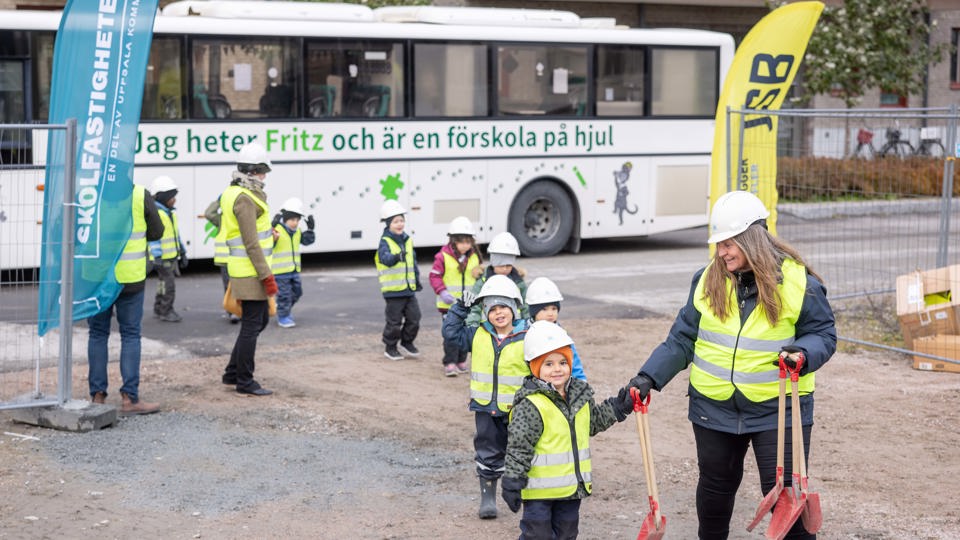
{"x":756,"y":298}
{"x":548,"y":465}
{"x":245,"y":225}
{"x":455,"y":269}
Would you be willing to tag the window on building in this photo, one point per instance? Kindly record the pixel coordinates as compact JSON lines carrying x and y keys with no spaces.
{"x":541,"y":80}
{"x":892,"y":99}
{"x":449,"y":80}
{"x":359,"y":79}
{"x":620,"y":76}
{"x":954,"y":62}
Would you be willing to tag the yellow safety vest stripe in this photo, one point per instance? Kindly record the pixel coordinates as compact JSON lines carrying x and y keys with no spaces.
{"x":286,"y":252}
{"x":132,"y":266}
{"x":170,"y":241}
{"x":558,"y":466}
{"x":456,"y":281}
{"x":400,"y":276}
{"x":492,"y":377}
{"x":729,"y":357}
{"x":238,"y":262}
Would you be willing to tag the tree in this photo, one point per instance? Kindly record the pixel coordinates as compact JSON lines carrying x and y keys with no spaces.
{"x":866,"y":44}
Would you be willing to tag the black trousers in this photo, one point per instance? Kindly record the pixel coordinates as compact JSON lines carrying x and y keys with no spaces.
{"x":452,"y":354}
{"x":490,"y":444}
{"x":550,"y":520}
{"x":720,"y":458}
{"x":403,"y":320}
{"x":166,"y":286}
{"x":256,"y":315}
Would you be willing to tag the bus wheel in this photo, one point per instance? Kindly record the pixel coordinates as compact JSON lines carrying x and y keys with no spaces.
{"x":541,"y":219}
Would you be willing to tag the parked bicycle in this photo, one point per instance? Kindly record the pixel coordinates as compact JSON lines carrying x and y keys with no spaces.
{"x":894,"y":147}
{"x":930,"y":144}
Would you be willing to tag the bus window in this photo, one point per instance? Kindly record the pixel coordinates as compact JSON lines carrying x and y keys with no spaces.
{"x":541,"y":80}
{"x":684,"y":82}
{"x":449,"y":80}
{"x":164,"y":93}
{"x":42,"y":75}
{"x":620,"y":74}
{"x":362,"y":79}
{"x":245,"y":78}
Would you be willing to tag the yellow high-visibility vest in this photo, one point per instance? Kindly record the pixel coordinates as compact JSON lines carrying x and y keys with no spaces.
{"x":729,"y":357}
{"x":132,"y":266}
{"x":238,"y":262}
{"x":286,"y":252}
{"x":486,"y":384}
{"x":170,"y":241}
{"x":561,"y":457}
{"x":456,"y":281}
{"x":400,"y":276}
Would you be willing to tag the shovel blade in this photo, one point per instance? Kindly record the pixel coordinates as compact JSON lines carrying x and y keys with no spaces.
{"x":649,"y":529}
{"x":811,"y":516}
{"x":765,"y":505}
{"x":785,"y":514}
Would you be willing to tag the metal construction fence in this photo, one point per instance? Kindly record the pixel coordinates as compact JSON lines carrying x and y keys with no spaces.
{"x":34,"y":371}
{"x":868,"y":196}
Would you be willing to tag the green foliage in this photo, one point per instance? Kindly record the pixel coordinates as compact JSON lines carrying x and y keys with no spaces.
{"x":866,"y":44}
{"x":374,"y":4}
{"x":815,"y":179}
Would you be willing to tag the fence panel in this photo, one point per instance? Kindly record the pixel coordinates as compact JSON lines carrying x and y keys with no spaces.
{"x":32,"y":369}
{"x":867,"y":196}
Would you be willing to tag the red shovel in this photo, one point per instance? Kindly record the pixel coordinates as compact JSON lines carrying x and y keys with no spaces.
{"x":792,"y":501}
{"x":655,"y":523}
{"x":771,"y":497}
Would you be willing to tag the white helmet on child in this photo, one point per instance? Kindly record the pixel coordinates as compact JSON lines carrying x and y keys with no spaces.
{"x":733,"y":213}
{"x":504,"y":243}
{"x":391,"y":208}
{"x":461,"y":225}
{"x":293,"y":205}
{"x":544,"y":337}
{"x":500,"y":290}
{"x":162,"y":183}
{"x":543,"y":291}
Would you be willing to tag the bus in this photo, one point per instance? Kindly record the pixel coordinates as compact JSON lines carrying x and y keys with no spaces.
{"x":542,"y":123}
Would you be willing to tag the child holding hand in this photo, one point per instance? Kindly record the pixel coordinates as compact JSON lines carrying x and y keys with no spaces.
{"x":455,"y":269}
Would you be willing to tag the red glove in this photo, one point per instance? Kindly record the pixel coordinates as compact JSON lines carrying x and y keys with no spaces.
{"x":270,"y":285}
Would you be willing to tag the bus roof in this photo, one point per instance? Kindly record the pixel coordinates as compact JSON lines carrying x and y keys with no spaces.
{"x":589,"y":31}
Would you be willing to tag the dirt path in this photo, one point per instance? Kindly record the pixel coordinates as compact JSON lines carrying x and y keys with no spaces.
{"x":355,"y":446}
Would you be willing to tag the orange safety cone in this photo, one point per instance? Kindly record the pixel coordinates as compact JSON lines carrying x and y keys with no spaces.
{"x":655,"y":523}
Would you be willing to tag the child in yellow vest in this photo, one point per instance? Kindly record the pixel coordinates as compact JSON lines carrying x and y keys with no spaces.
{"x":399,"y":283}
{"x":545,"y":408}
{"x":167,"y":254}
{"x":286,"y":257}
{"x":455,"y":269}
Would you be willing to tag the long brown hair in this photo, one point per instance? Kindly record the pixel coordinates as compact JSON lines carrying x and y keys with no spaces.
{"x":765,"y":254}
{"x":473,"y":248}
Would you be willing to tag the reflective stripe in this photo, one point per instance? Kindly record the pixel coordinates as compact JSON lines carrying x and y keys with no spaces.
{"x":283,"y":267}
{"x":138,"y":235}
{"x":510,"y":370}
{"x":131,"y":267}
{"x":744,"y":342}
{"x":738,"y":377}
{"x":561,"y":455}
{"x":132,"y":256}
{"x":556,"y":482}
{"x":558,"y":459}
{"x":239,"y":264}
{"x":405,"y":266}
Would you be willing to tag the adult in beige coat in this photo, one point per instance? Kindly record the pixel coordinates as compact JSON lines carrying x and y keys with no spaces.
{"x":249,"y":237}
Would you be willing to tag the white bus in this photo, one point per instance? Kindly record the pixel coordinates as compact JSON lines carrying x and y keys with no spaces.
{"x":553,"y":127}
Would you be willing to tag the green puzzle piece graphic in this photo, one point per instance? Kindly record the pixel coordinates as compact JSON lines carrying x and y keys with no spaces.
{"x":390,"y":186}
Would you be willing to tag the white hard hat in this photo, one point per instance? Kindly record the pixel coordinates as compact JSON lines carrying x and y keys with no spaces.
{"x":544,"y":337}
{"x":461,"y":225}
{"x":733,"y":213}
{"x":162,"y":183}
{"x":253,"y":154}
{"x":497,"y":285}
{"x":391,"y":208}
{"x":505,"y":244}
{"x":543,"y":291}
{"x":293,"y":205}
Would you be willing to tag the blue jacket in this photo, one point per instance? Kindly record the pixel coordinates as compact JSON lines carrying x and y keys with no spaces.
{"x":815,"y":333}
{"x":456,"y":330}
{"x":390,"y":259}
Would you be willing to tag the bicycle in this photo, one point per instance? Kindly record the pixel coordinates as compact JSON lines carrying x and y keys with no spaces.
{"x":895,"y":146}
{"x":930,"y":144}
{"x":864,"y":148}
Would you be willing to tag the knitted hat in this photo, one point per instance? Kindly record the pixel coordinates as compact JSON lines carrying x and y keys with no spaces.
{"x":537,"y":362}
{"x":490,"y":301}
{"x":501,"y":259}
{"x":537,"y":308}
{"x":163,"y":197}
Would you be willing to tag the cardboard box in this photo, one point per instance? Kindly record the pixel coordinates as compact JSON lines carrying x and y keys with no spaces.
{"x":928,"y":303}
{"x":946,"y":346}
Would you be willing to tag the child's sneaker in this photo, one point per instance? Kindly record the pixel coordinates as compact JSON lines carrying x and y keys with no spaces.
{"x":286,"y":322}
{"x":409,"y":349}
{"x":462,"y":367}
{"x":450,"y":370}
{"x":392,"y":353}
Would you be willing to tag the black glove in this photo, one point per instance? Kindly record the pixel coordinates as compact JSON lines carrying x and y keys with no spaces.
{"x":467,"y":299}
{"x":310,"y":222}
{"x":798,"y":357}
{"x":622,"y":404}
{"x":183,"y":262}
{"x":276,"y":220}
{"x":642,"y":383}
{"x":510,"y":491}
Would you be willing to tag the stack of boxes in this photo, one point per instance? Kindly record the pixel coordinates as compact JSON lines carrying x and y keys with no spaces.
{"x":928,"y":308}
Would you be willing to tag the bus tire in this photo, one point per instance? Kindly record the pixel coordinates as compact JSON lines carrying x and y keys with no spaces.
{"x":542,"y":219}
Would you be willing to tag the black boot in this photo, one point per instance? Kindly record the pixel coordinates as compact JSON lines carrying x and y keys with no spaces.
{"x":488,"y":498}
